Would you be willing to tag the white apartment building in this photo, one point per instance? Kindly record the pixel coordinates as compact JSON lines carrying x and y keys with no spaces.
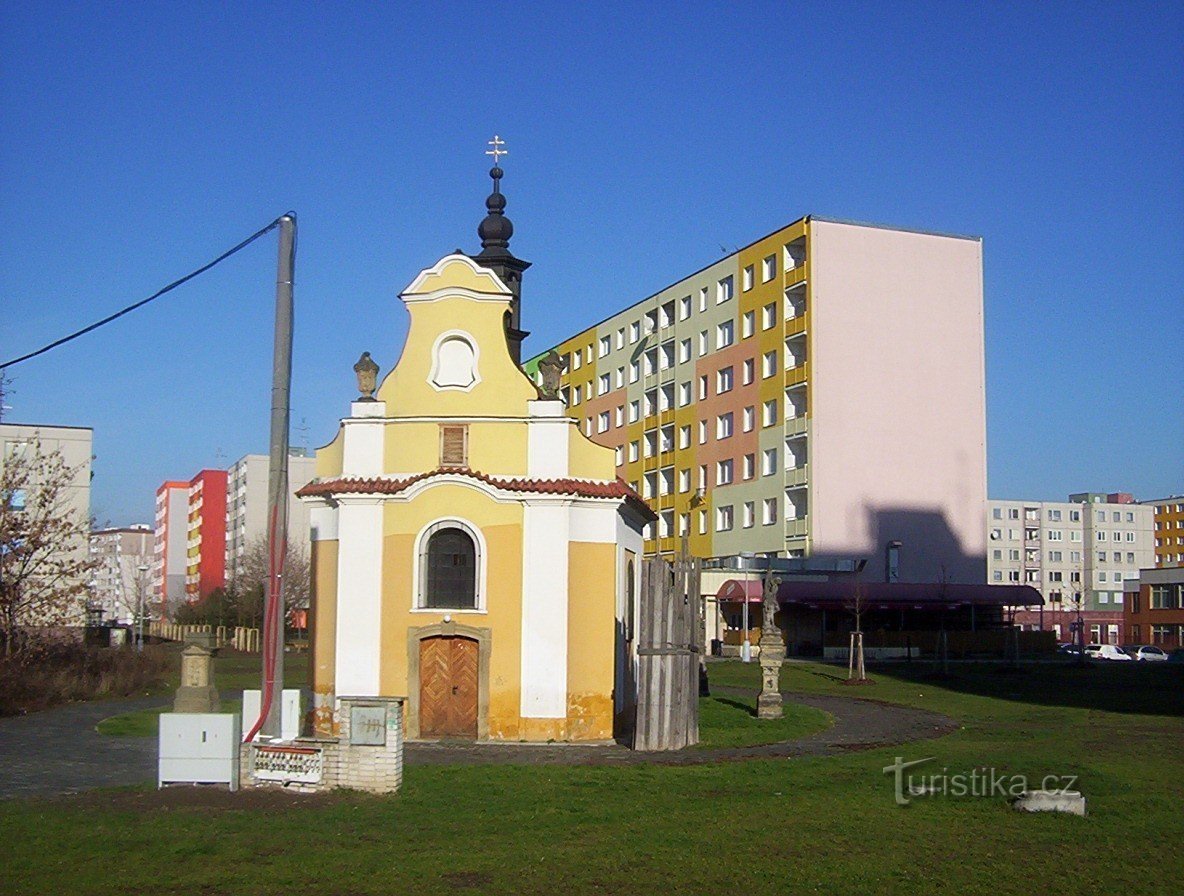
{"x":121,"y":582}
{"x":19,"y":440}
{"x":1077,"y":553}
{"x":246,"y":506}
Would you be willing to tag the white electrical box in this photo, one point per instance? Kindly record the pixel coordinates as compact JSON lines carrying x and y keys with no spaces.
{"x":292,"y":703}
{"x":199,"y":748}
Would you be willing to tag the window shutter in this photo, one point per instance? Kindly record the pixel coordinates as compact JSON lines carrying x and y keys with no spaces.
{"x":454,"y":445}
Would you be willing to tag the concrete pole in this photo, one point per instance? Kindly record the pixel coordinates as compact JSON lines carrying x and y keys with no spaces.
{"x":277,"y":483}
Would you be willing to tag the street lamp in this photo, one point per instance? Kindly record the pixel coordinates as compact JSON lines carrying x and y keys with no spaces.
{"x":142,"y":569}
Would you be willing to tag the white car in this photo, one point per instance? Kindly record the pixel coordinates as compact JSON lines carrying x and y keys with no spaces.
{"x":1106,"y":652}
{"x":1147,"y":653}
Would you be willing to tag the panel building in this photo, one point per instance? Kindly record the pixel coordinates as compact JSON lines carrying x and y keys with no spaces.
{"x":171,"y":533}
{"x":1169,"y":530}
{"x":23,"y":443}
{"x":818,"y":393}
{"x":122,"y":577}
{"x":246,"y":506}
{"x":1077,"y":553}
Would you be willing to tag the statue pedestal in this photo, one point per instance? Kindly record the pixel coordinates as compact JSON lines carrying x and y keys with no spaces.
{"x":197,"y":692}
{"x":769,"y":704}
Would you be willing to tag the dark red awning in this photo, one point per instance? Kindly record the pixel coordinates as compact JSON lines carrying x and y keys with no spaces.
{"x":740,"y":590}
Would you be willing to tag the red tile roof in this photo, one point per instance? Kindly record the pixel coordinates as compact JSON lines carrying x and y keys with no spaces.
{"x":580,"y":488}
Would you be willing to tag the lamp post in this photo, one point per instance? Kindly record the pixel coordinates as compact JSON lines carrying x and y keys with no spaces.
{"x":142,"y":580}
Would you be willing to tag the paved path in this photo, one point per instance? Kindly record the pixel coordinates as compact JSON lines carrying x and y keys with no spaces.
{"x":58,"y":751}
{"x":858,"y":725}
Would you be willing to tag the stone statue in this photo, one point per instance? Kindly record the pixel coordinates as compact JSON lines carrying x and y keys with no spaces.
{"x":768,"y":704}
{"x":769,"y":600}
{"x":551,"y":368}
{"x":367,"y":372}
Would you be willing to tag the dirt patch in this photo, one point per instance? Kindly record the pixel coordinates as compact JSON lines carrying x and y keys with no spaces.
{"x":467,"y":880}
{"x":201,"y":797}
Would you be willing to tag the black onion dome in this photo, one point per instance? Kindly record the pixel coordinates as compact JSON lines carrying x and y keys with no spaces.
{"x":495,"y":230}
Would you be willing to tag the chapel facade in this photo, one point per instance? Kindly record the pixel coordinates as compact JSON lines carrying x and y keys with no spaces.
{"x":472,"y":550}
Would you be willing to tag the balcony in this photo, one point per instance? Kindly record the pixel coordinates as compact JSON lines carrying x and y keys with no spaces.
{"x":795,"y":275}
{"x":795,"y":376}
{"x":796,"y":426}
{"x":797,"y":528}
{"x":796,"y":477}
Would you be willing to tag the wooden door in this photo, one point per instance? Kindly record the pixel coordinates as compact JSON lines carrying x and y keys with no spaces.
{"x":448,"y":687}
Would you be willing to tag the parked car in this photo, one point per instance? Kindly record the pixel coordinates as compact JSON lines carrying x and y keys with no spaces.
{"x":1106,"y":652}
{"x":1146,"y":653}
{"x":1073,"y":650}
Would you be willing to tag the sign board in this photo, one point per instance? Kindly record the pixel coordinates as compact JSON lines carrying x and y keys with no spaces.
{"x":367,"y":726}
{"x":301,"y":765}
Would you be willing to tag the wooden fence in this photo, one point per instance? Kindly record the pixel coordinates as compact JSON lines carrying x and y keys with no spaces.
{"x":669,"y":650}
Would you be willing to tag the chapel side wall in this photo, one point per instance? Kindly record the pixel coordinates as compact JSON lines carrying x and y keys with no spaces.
{"x":329,"y":458}
{"x":591,"y":639}
{"x":501,"y":528}
{"x":323,"y":632}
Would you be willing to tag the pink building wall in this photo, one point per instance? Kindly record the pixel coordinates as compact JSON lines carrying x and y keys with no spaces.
{"x":898,"y":414}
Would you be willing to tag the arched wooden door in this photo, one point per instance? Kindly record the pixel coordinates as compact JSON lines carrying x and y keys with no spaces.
{"x":448,"y":687}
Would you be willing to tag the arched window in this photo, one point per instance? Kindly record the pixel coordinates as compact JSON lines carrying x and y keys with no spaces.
{"x":448,"y":569}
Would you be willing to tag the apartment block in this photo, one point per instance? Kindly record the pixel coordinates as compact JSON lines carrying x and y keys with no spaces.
{"x":1169,"y":530}
{"x":170,"y":537}
{"x":121,"y":582}
{"x":819,"y":392}
{"x":205,"y":544}
{"x":19,"y":441}
{"x":246,"y":505}
{"x":1077,"y":553}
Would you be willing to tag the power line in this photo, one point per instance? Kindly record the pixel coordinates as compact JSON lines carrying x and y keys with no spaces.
{"x":156,"y":295}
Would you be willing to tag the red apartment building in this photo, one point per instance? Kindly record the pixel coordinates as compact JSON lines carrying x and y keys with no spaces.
{"x":205,"y":547}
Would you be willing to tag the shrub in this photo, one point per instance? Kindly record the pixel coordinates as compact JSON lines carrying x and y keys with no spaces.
{"x":48,"y":674}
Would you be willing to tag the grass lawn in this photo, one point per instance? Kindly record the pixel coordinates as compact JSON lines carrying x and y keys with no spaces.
{"x":817,"y":825}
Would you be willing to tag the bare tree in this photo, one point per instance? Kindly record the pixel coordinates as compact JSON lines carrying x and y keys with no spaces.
{"x":44,"y":560}
{"x":252,"y":575}
{"x":856,"y":606}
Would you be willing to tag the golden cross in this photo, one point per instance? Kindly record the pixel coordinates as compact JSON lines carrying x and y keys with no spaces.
{"x":497,"y":143}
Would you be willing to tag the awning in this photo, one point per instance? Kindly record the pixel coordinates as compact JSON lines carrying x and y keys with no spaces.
{"x":738,"y":591}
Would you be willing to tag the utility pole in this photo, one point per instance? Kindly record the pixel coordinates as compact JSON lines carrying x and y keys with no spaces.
{"x":277,"y":485}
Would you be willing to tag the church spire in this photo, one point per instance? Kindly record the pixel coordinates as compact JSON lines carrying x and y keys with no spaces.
{"x":495,"y":232}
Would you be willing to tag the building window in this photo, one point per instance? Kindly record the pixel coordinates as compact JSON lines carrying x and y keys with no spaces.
{"x":703,"y":299}
{"x":723,"y":472}
{"x":769,"y":364}
{"x":449,"y":560}
{"x":606,"y":346}
{"x":768,"y":269}
{"x":684,"y":480}
{"x":723,"y":426}
{"x":603,"y":384}
{"x":702,"y":522}
{"x":602,"y":422}
{"x":684,"y":436}
{"x":749,"y":418}
{"x":725,"y":334}
{"x":633,"y":449}
{"x":746,"y":324}
{"x":634,"y":410}
{"x":619,"y":453}
{"x":684,"y":307}
{"x":747,"y":513}
{"x":702,"y":432}
{"x":769,"y":512}
{"x":634,"y":331}
{"x":724,"y":290}
{"x":702,"y":387}
{"x":768,"y":461}
{"x":723,"y":381}
{"x":702,"y":343}
{"x":684,"y":394}
{"x":684,"y":351}
{"x":769,"y":316}
{"x":723,"y":519}
{"x":769,"y":412}
{"x":748,"y":278}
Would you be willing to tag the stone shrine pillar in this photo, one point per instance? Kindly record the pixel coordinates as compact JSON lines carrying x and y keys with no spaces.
{"x":197,"y":692}
{"x":768,"y":704}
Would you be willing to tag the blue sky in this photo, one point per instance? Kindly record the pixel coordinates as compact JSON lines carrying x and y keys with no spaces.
{"x":141,"y":140}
